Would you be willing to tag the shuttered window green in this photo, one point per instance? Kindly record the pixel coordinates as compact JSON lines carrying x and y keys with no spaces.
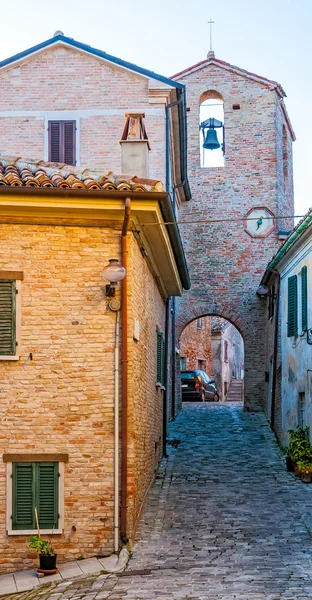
{"x":35,"y":485}
{"x":304,"y":298}
{"x":7,"y":317}
{"x":160,"y":358}
{"x":292,"y":325}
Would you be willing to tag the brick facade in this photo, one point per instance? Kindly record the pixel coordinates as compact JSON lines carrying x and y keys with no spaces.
{"x":195,"y":345}
{"x":225,"y":262}
{"x":59,"y":396}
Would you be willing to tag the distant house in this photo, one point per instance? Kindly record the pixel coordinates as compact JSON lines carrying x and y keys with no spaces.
{"x":286,"y":287}
{"x":195,"y":346}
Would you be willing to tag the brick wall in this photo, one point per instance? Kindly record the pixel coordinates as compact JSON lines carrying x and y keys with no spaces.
{"x":226,"y":263}
{"x":195,"y":344}
{"x":59,"y":396}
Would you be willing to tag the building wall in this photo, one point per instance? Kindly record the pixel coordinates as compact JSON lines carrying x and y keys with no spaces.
{"x":295,"y":351}
{"x":227,"y":363}
{"x":225,"y":262}
{"x":61,"y":83}
{"x":195,"y":345}
{"x":58,"y":397}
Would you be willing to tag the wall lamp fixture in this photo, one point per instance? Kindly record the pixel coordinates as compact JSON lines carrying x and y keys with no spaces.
{"x":263,"y":291}
{"x":113,"y":272}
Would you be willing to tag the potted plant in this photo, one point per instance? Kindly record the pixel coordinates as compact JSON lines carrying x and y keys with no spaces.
{"x":299,"y":449}
{"x":306,"y":473}
{"x":44,"y":548}
{"x":47,"y":556}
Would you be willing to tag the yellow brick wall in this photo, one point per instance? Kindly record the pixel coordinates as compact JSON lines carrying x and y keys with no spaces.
{"x":62,"y":399}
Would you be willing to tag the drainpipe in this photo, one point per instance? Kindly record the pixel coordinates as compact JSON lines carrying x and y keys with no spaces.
{"x":275,"y":350}
{"x":165,"y":396}
{"x":124,"y":374}
{"x":116,"y":434}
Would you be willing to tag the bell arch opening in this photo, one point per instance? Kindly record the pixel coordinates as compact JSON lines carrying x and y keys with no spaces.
{"x":214,"y":346}
{"x":211,"y":128}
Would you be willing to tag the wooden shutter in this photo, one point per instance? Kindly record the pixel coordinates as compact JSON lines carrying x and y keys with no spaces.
{"x":55,"y":141}
{"x":69,"y":142}
{"x":292,"y":326}
{"x":62,"y":142}
{"x":159,"y":357}
{"x":304,"y":299}
{"x":163,"y":360}
{"x":47,"y":494}
{"x":7,"y":317}
{"x":23,"y":496}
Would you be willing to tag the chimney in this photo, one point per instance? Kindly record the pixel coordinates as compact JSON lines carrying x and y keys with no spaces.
{"x":135,"y":146}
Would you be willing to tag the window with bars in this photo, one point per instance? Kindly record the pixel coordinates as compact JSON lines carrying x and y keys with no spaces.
{"x":35,"y":485}
{"x":62,"y":142}
{"x":160,"y":358}
{"x":7,"y":317}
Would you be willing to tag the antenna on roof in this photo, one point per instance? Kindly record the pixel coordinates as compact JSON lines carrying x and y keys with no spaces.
{"x":58,"y":32}
{"x":211,"y":52}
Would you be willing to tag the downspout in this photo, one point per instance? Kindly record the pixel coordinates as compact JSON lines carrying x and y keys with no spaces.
{"x":165,"y":396}
{"x":275,"y":351}
{"x":116,"y":435}
{"x":124,"y":374}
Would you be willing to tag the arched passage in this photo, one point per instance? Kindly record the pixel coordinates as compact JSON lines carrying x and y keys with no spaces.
{"x":213,"y":346}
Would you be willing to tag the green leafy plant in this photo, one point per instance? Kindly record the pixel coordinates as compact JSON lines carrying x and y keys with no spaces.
{"x":41,"y":546}
{"x":299,"y":448}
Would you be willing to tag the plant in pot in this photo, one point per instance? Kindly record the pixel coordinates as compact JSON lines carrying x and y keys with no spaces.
{"x":44,"y":548}
{"x":306,"y":473}
{"x":299,"y":449}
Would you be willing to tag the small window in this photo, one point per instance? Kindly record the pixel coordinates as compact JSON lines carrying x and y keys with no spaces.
{"x":271,"y":302}
{"x":200,"y":323}
{"x":160,"y":358}
{"x":292,"y":324}
{"x":226,"y":349}
{"x":62,"y":142}
{"x":201,"y":364}
{"x":301,"y":410}
{"x":34,"y":485}
{"x":182,"y":363}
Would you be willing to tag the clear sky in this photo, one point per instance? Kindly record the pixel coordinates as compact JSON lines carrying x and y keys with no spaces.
{"x":269,"y":37}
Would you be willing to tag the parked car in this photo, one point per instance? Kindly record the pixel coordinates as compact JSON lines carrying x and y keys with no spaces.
{"x":197,"y":385}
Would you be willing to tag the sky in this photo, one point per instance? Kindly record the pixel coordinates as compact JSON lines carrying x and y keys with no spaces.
{"x":269,"y":37}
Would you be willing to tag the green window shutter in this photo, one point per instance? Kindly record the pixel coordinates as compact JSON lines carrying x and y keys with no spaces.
{"x":23,"y":496}
{"x":7,"y":317}
{"x":162,"y":361}
{"x":159,"y":357}
{"x":292,"y":328}
{"x":304,"y":298}
{"x":47,"y":494}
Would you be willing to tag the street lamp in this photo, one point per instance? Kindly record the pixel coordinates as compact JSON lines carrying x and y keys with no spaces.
{"x":113,"y":272}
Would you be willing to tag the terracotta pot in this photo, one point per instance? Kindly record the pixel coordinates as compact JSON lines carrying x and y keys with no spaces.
{"x":306,"y":477}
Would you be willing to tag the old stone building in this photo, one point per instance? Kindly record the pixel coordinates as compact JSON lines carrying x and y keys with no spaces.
{"x":231,"y":228}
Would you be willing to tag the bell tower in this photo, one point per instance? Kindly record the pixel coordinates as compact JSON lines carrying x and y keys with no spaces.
{"x":240,"y":174}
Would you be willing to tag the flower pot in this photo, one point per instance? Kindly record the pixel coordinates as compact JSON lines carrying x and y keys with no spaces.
{"x":290,"y":465}
{"x":297,"y":471}
{"x":306,"y":477}
{"x":47,"y":562}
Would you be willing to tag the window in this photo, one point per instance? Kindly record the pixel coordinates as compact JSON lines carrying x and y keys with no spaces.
{"x":226,"y":349}
{"x":200,"y":323}
{"x":301,"y":410}
{"x":292,"y":322}
{"x":9,"y":314}
{"x":297,"y":322}
{"x":211,"y":124}
{"x":271,"y":302}
{"x":35,"y":484}
{"x":62,"y":142}
{"x":160,"y":358}
{"x":201,"y":364}
{"x":182,"y":363}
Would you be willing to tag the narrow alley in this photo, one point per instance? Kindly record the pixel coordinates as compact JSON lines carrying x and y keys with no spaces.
{"x":224,"y":520}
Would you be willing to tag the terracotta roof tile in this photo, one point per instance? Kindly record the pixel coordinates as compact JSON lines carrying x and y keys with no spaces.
{"x":31,"y":173}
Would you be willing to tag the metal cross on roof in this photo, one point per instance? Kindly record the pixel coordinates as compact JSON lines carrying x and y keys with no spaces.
{"x":210,"y":23}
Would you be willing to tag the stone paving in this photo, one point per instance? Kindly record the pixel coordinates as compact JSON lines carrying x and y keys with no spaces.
{"x":224,"y":520}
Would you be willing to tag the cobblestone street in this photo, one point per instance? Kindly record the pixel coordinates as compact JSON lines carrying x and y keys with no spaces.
{"x":224,"y":520}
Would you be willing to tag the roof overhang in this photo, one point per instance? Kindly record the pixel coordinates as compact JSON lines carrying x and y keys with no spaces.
{"x":101,"y":208}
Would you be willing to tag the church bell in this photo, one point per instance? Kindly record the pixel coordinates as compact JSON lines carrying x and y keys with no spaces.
{"x":211,"y":142}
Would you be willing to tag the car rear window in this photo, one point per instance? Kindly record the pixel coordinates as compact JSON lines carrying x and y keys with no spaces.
{"x":188,"y":375}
